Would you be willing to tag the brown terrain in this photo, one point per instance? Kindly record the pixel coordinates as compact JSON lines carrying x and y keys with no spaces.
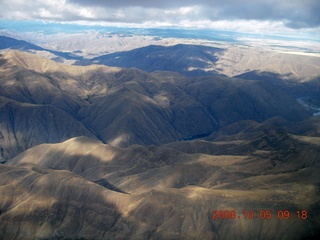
{"x":97,"y":152}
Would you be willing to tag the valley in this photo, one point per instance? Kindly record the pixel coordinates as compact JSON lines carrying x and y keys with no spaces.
{"x":146,"y":142}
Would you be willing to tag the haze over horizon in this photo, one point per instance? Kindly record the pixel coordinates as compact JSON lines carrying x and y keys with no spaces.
{"x":284,"y":18}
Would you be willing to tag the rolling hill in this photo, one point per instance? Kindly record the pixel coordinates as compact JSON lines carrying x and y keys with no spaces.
{"x":83,"y":188}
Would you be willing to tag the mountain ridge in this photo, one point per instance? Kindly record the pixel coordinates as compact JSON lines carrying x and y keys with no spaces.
{"x":129,"y":106}
{"x":202,"y":60}
{"x":97,"y":152}
{"x":179,"y":58}
{"x":155,"y":188}
{"x":15,"y":44}
{"x":190,"y":58}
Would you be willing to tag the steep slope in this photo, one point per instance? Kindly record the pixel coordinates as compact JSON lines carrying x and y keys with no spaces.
{"x":286,"y":82}
{"x":131,"y":118}
{"x":24,"y":125}
{"x":34,"y":72}
{"x":58,"y":204}
{"x":40,"y":100}
{"x":251,"y":159}
{"x":163,"y":110}
{"x":157,"y":192}
{"x":231,"y":100}
{"x":146,"y":110}
{"x":128,"y":106}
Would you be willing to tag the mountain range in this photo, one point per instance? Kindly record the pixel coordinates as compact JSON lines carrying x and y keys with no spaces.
{"x":150,"y":151}
{"x":127,"y":106}
{"x":187,"y":57}
{"x":197,"y":60}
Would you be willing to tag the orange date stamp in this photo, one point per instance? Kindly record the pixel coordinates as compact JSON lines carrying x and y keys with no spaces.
{"x":262,"y":214}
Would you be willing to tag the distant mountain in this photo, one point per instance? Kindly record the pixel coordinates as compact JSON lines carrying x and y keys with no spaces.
{"x":229,"y":60}
{"x":11,"y":43}
{"x":189,"y":60}
{"x":14,"y":44}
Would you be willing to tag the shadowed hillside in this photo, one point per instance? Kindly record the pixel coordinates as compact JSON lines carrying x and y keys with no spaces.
{"x":15,"y":44}
{"x":197,"y":60}
{"x":128,"y":106}
{"x":97,"y":152}
{"x":159,"y":192}
{"x":189,"y":60}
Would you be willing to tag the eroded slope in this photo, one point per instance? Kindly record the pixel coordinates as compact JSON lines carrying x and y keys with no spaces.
{"x":159,"y":192}
{"x":123,"y":107}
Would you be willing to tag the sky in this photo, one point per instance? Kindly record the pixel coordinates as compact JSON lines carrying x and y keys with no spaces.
{"x":258,"y":16}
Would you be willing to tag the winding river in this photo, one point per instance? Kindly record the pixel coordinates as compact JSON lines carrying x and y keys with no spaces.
{"x":315,"y":109}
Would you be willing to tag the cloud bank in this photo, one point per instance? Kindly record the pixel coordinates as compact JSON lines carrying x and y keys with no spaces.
{"x":291,"y":14}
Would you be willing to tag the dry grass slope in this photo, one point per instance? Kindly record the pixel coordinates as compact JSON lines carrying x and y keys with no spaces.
{"x":158,"y":192}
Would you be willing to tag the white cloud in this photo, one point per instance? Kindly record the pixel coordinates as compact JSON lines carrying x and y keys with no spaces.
{"x":44,"y":13}
{"x":253,"y":16}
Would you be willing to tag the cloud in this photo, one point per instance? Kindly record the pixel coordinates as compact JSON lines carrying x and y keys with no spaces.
{"x":294,"y":14}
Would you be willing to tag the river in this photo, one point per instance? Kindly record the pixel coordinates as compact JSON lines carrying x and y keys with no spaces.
{"x":311,"y":107}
